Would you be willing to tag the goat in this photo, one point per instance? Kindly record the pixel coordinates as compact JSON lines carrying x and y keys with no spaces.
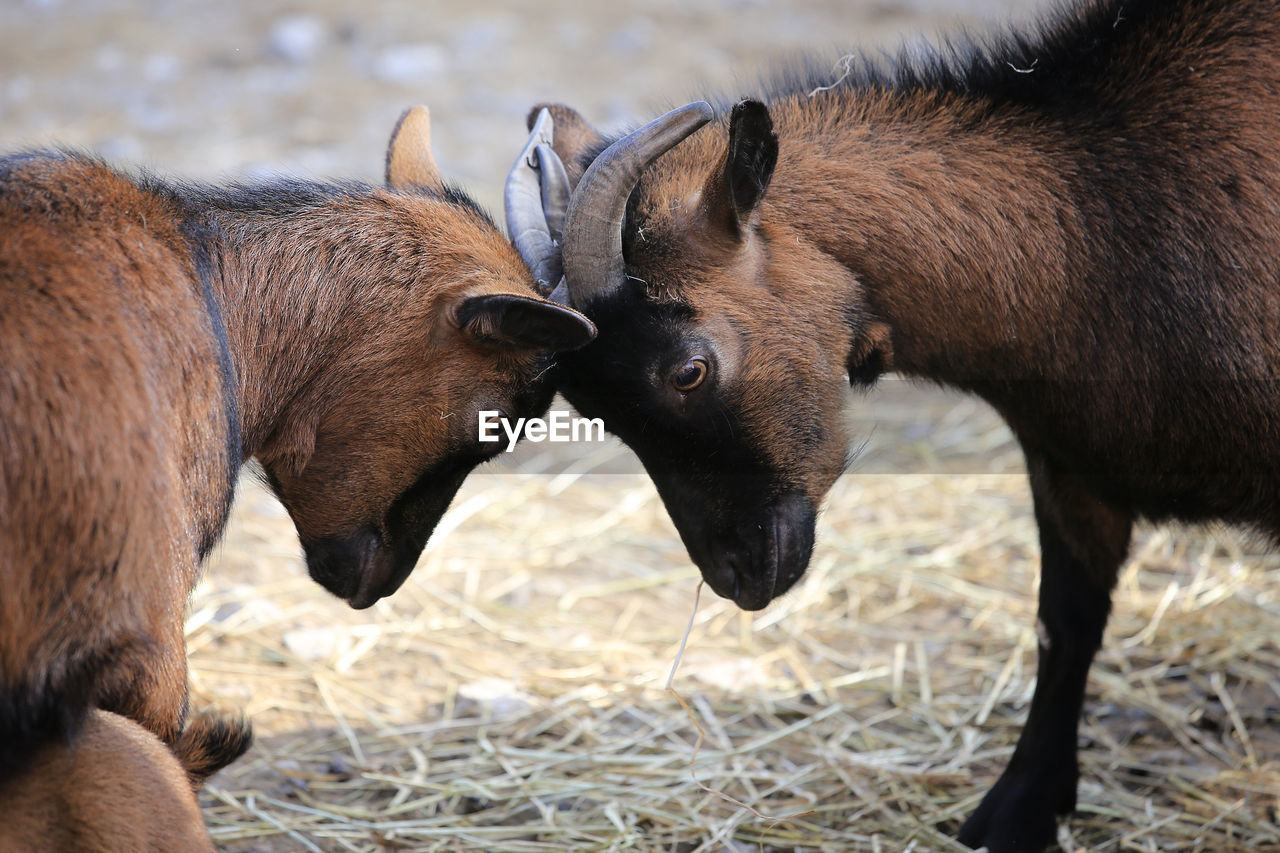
{"x":115,"y":789}
{"x":155,"y":336}
{"x":1080,"y":225}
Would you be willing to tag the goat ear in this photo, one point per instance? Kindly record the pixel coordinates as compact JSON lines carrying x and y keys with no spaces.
{"x":575,"y":139}
{"x":736,"y":191}
{"x":409,"y":160}
{"x":504,"y":319}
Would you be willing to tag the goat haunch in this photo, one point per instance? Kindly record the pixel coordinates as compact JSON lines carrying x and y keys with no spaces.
{"x":116,"y":789}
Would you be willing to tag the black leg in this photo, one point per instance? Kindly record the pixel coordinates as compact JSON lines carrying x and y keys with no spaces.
{"x":1082,"y":542}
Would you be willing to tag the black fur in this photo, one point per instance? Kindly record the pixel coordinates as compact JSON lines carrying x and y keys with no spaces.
{"x":201,"y":238}
{"x":209,"y":743}
{"x":288,"y":196}
{"x":34,"y":714}
{"x":753,"y":153}
{"x":695,"y":457}
{"x":1060,"y":66}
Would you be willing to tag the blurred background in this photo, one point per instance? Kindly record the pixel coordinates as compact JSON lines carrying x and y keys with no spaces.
{"x":511,"y":696}
{"x":211,"y":90}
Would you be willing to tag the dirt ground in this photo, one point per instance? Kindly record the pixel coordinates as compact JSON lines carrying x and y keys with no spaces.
{"x":511,"y":697}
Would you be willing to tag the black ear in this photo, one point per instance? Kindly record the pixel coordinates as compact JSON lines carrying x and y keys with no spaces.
{"x":504,"y":319}
{"x":753,"y":152}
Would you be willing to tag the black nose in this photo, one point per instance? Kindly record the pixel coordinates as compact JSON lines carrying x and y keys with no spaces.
{"x":338,"y":562}
{"x":797,"y":520}
{"x":759,"y":556}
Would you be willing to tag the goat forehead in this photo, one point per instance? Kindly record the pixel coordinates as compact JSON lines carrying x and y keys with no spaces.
{"x":676,"y":200}
{"x":448,"y":379}
{"x":669,"y":221}
{"x":669,"y":196}
{"x":674,"y":266}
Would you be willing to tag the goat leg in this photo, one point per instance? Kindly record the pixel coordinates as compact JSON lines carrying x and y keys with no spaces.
{"x":1082,"y":542}
{"x":152,"y":687}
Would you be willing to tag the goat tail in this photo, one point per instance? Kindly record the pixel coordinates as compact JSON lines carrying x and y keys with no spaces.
{"x":209,"y":742}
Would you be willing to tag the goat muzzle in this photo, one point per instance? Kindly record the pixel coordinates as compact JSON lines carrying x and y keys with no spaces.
{"x":757,"y":556}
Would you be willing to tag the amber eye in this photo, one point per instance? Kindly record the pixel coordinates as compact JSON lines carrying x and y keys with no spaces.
{"x":691,"y":375}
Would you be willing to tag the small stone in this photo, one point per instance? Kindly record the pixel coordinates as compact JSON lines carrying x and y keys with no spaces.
{"x":410,"y":63}
{"x":311,"y":644}
{"x":498,"y":696}
{"x":161,"y":68}
{"x":339,"y":766}
{"x":297,"y":38}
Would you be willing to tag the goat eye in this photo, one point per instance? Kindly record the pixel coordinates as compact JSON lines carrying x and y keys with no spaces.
{"x":691,"y":375}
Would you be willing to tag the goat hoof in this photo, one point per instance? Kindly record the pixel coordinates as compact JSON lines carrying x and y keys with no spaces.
{"x":1019,"y":814}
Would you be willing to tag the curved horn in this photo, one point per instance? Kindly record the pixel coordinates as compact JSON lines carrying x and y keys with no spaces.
{"x":524,"y":199}
{"x":555,"y":190}
{"x":593,"y":262}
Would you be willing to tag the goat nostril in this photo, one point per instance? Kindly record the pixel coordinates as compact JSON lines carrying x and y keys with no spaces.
{"x":734,"y":573}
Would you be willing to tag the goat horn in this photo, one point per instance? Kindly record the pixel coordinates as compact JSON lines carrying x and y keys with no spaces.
{"x":593,"y":262}
{"x":524,"y":198}
{"x":555,"y":190}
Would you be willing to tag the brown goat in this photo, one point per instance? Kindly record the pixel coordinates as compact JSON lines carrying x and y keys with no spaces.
{"x":1081,"y":226}
{"x":154,"y":337}
{"x":115,"y":789}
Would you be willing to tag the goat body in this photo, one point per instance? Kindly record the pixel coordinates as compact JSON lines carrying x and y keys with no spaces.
{"x":153,"y":337}
{"x":1082,"y":226}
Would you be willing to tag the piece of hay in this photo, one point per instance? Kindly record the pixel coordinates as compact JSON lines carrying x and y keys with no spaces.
{"x":697,"y":744}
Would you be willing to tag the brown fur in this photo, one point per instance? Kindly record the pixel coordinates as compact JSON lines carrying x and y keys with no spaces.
{"x":115,"y":789}
{"x":154,"y":337}
{"x":112,"y":398}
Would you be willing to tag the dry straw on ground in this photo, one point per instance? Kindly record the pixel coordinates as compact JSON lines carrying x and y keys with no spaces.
{"x":511,"y":696}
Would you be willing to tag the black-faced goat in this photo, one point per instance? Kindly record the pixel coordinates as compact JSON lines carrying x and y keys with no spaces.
{"x":1080,"y":225}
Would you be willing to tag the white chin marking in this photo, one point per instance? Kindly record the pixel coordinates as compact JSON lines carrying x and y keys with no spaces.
{"x":1042,"y":634}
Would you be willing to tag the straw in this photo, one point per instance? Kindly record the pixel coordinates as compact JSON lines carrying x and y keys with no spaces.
{"x":509,"y":697}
